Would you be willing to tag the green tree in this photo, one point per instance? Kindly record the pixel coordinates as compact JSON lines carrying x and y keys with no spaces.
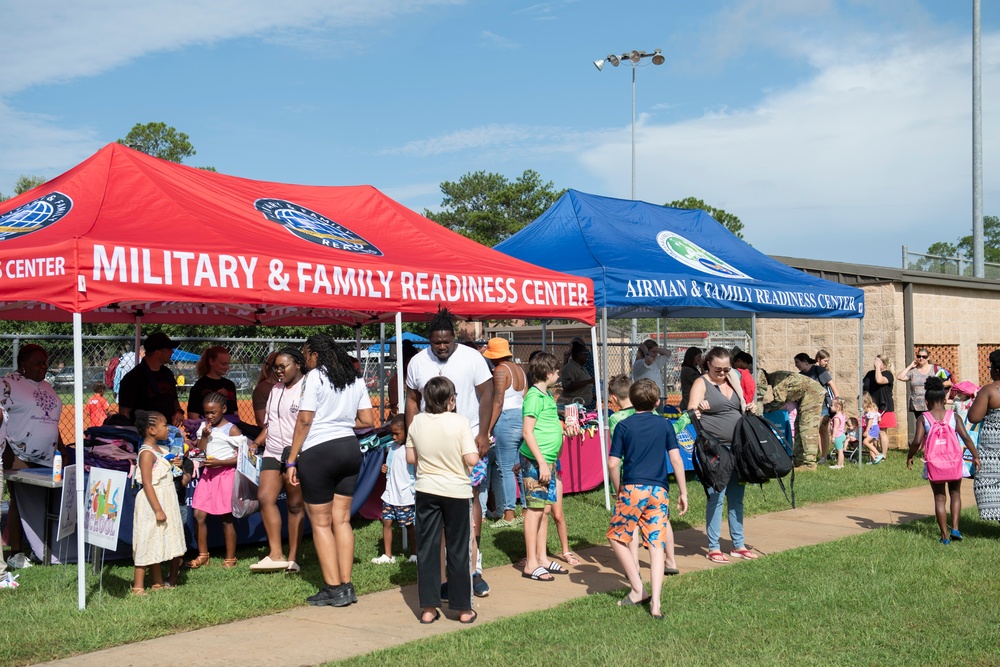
{"x":23,"y":184}
{"x":489,"y":208}
{"x":727,"y":220}
{"x":943,"y":254}
{"x":159,"y":140}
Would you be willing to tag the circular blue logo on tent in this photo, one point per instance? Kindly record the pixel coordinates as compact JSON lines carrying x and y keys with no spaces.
{"x":314,"y":227}
{"x":36,"y":214}
{"x":691,"y":254}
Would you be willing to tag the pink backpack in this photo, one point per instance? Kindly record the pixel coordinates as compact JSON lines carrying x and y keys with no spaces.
{"x":942,"y":449}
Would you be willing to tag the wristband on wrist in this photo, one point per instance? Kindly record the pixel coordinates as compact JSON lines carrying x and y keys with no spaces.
{"x":290,"y":464}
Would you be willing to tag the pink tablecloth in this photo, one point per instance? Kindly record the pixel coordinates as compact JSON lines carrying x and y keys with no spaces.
{"x":582,"y":463}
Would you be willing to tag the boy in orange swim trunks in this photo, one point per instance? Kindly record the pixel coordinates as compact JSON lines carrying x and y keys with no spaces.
{"x":637,"y":465}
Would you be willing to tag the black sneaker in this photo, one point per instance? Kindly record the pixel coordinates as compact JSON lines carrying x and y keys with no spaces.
{"x":349,"y":587}
{"x":332,"y":596}
{"x":444,"y":591}
{"x":480,"y":588}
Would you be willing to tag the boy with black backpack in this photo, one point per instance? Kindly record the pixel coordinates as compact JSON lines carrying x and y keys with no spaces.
{"x":939,"y":432}
{"x":638,"y":471}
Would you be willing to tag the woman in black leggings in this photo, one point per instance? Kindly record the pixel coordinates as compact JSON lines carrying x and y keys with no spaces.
{"x":326,"y":458}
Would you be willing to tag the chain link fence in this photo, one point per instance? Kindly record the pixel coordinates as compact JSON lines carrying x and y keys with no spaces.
{"x":621,"y":355}
{"x":248,"y":355}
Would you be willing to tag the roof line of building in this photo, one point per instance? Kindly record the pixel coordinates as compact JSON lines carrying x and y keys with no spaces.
{"x":846,"y":273}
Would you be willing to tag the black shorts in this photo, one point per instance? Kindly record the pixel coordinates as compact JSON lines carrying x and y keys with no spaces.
{"x":329,"y":468}
{"x":271,"y":463}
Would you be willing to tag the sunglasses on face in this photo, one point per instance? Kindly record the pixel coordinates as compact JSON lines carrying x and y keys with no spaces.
{"x":721,"y":370}
{"x":923,"y":356}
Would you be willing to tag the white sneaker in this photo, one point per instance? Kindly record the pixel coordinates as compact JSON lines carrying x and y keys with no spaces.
{"x":384,"y":559}
{"x":836,"y":467}
{"x":412,"y":559}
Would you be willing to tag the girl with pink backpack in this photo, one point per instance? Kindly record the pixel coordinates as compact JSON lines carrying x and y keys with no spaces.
{"x":938,"y":432}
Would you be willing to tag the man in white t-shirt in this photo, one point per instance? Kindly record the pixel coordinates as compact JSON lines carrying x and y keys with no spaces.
{"x":466,"y":368}
{"x":651,"y":364}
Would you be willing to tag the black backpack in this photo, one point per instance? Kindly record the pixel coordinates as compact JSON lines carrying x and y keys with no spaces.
{"x":761,"y":454}
{"x":713,"y":462}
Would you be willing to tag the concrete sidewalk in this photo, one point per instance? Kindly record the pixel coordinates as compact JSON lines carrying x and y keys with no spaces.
{"x":313,"y":635}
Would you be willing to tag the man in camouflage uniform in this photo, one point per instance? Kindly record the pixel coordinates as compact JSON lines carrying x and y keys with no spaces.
{"x":791,"y":386}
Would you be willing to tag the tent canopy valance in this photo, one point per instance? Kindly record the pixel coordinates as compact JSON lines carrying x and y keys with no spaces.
{"x":125,"y":234}
{"x":648,"y":260}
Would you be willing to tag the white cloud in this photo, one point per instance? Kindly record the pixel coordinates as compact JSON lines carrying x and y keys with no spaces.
{"x":504,"y":138}
{"x":872,"y":152}
{"x":52,"y":40}
{"x":492,"y":40}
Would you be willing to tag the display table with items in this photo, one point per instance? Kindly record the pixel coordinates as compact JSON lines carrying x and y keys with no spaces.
{"x":35,"y":502}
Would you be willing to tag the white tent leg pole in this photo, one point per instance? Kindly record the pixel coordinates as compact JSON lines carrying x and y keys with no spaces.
{"x":753,"y":346}
{"x":400,"y":380}
{"x":381,"y":373}
{"x":81,"y":550}
{"x":600,"y":421}
{"x":861,"y":372}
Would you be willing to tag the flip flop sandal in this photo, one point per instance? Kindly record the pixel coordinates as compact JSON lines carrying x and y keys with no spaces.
{"x":717,"y":557}
{"x":472,"y":619}
{"x":627,"y":601}
{"x":743,"y":553}
{"x":571,"y":558}
{"x":670,"y":571}
{"x":437,"y":615}
{"x":539,"y":574}
{"x":556,"y":568}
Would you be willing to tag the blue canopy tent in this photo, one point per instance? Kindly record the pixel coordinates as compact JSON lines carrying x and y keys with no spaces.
{"x":648,"y":260}
{"x":181,"y":355}
{"x":385,"y":348}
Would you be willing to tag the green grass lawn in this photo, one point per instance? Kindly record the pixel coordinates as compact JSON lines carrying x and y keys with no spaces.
{"x":39,"y":621}
{"x":890,"y":597}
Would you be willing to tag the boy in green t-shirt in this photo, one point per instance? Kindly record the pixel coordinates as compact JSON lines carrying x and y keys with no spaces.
{"x":543,"y":438}
{"x":618,"y":387}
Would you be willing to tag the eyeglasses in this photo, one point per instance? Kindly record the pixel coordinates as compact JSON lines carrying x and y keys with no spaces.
{"x":721,"y":370}
{"x":923,"y":356}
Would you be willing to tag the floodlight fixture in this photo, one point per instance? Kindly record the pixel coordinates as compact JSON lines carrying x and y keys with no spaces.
{"x":635,"y":58}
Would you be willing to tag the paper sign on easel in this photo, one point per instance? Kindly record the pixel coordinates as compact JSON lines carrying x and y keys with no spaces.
{"x":105,"y":498}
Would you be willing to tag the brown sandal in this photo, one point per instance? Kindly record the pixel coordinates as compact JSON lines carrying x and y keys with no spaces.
{"x":201,"y":561}
{"x":138,"y":591}
{"x":229,"y":563}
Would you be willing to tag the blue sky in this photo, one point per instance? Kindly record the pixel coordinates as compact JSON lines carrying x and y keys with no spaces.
{"x":835,"y":129}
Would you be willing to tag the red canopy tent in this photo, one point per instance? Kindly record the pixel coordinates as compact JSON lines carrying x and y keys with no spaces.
{"x":124,"y":236}
{"x":124,"y":232}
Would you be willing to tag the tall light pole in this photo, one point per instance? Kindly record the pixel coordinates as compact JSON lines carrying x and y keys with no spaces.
{"x":978,"y":254}
{"x":634,"y":57}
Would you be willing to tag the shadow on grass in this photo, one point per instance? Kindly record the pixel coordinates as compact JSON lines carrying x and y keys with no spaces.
{"x":974,"y":528}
